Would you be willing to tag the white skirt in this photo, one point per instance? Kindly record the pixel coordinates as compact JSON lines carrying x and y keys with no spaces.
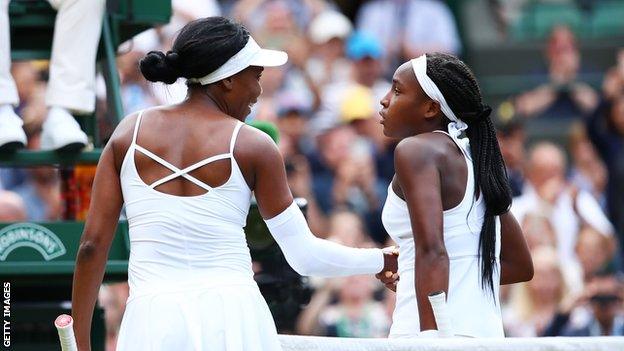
{"x":228,"y":315}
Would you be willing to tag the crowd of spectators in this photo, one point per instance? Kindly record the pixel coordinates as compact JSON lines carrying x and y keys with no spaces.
{"x":568,"y":197}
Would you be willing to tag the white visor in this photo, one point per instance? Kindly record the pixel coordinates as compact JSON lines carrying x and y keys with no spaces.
{"x":250,"y":55}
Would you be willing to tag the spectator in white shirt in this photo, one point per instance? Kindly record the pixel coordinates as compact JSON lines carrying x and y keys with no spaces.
{"x":548,"y":192}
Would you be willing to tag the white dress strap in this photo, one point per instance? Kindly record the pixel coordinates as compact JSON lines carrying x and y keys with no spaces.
{"x":462,"y":143}
{"x":172,"y":168}
{"x":239,"y":124}
{"x":136,"y":127}
{"x":182,"y":172}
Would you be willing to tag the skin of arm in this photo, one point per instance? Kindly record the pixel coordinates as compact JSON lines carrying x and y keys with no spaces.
{"x":516,"y":262}
{"x":106,"y":201}
{"x":419,"y":178}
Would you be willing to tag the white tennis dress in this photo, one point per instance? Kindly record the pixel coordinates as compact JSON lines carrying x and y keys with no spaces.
{"x":474,"y":312}
{"x":190,"y":276}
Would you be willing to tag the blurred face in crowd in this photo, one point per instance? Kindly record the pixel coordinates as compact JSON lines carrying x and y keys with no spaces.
{"x":406,"y":109}
{"x":547,"y":283}
{"x":561,"y":43}
{"x":546,"y":164}
{"x":346,"y":228}
{"x":335,"y":145}
{"x":357,"y":289}
{"x":538,"y":231}
{"x":367,"y":70}
{"x":617,"y":114}
{"x":512,"y":148}
{"x":592,"y":250}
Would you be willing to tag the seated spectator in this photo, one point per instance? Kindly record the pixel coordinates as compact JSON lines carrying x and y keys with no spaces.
{"x":347,"y":228}
{"x":511,"y":139}
{"x":594,"y":252}
{"x":12,"y":207}
{"x":538,"y":231}
{"x":564,"y":95}
{"x":601,"y":303}
{"x":410,"y":28}
{"x":548,"y":192}
{"x":588,"y":172}
{"x":354,"y":314}
{"x":605,"y":129}
{"x":328,"y":33}
{"x":533,"y":304}
{"x":365,"y":53}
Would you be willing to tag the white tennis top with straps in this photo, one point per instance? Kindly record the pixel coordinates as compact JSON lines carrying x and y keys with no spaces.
{"x":184,"y":239}
{"x":474,"y":312}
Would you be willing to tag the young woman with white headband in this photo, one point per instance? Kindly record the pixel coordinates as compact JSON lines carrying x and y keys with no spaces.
{"x":189,"y":272}
{"x":448,"y":201}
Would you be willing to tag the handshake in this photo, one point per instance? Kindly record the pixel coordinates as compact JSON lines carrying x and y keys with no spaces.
{"x":389,"y":275}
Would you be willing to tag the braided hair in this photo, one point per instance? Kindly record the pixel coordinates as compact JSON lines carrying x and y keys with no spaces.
{"x":461,"y":91}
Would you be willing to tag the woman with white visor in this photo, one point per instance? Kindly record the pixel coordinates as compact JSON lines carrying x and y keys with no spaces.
{"x":186,"y":174}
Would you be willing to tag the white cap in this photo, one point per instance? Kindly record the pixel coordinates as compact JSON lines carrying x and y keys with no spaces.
{"x":328,"y":25}
{"x":250,"y":55}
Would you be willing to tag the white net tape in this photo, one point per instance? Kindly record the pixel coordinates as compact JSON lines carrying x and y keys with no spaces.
{"x":314,"y":343}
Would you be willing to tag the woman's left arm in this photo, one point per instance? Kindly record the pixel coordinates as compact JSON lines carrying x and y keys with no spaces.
{"x":419,"y":177}
{"x":106,"y":201}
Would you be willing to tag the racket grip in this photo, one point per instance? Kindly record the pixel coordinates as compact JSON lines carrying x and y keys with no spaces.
{"x":65,"y":326}
{"x":441,"y":314}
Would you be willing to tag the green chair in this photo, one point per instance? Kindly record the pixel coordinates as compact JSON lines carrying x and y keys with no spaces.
{"x":538,"y":19}
{"x":608,"y":19}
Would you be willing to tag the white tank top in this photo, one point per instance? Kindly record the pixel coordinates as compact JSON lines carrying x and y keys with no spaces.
{"x":177,"y":241}
{"x":474,"y":311}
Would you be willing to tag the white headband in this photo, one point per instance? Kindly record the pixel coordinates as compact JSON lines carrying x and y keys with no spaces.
{"x":250,"y":55}
{"x":420,"y":70}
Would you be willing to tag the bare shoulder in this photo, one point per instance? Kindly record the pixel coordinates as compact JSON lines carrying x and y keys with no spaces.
{"x":253,"y":142}
{"x":255,"y":150}
{"x":419,"y":150}
{"x":121,"y":138}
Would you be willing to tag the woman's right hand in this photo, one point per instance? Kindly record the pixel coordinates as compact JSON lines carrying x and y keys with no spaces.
{"x":389,"y":276}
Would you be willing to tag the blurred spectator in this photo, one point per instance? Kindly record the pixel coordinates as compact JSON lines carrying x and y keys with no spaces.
{"x":594,"y":252}
{"x":135,"y":91}
{"x":12,"y":207}
{"x":547,"y":191}
{"x":41,"y":194}
{"x":588,"y":172}
{"x":346,"y":228}
{"x":410,"y":28}
{"x":112,"y":298}
{"x":278,"y":14}
{"x":602,"y":303}
{"x":538,"y":230}
{"x":365,"y":53}
{"x":511,"y":139}
{"x":563,"y":96}
{"x":328,"y":33}
{"x":605,"y":128}
{"x":533,"y":304}
{"x":355,"y":314}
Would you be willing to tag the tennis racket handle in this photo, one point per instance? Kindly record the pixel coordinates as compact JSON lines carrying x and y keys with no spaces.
{"x":65,"y":326}
{"x":441,"y":314}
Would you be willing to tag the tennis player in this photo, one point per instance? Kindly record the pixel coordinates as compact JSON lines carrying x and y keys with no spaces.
{"x":447,"y":201}
{"x":186,"y":174}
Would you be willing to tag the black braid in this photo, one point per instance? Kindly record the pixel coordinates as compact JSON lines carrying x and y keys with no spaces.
{"x":462,"y":93}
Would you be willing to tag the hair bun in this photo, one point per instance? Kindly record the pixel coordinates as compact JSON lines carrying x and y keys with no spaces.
{"x":158,"y":67}
{"x":172,"y":57}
